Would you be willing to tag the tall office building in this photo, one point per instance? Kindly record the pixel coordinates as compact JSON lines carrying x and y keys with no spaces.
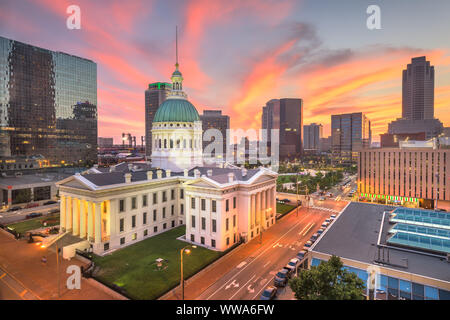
{"x":287,"y":116}
{"x":214,"y":119}
{"x":155,"y":95}
{"x":417,"y":101}
{"x":349,"y":133}
{"x":418,"y":90}
{"x":312,"y":136}
{"x":48,"y":104}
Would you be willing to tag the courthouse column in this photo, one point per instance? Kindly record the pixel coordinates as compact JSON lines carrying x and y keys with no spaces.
{"x":90,"y":221}
{"x":62,"y":214}
{"x":98,"y":223}
{"x":258,"y":207}
{"x":76,"y":217}
{"x":69,"y":214}
{"x":83,"y":219}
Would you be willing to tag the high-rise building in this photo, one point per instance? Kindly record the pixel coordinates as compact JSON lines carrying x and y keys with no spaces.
{"x":349,"y":133}
{"x":312,"y":135}
{"x":214,"y":119}
{"x":291,"y":128}
{"x":417,"y":101}
{"x":287,"y":116}
{"x":155,"y":95}
{"x":418,"y":90}
{"x":48,"y":104}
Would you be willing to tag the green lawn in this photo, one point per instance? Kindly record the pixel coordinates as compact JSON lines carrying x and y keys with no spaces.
{"x":134,"y":269}
{"x":36,"y":223}
{"x":284,"y":208}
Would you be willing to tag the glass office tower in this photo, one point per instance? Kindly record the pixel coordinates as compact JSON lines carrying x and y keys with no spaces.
{"x":48,"y":105}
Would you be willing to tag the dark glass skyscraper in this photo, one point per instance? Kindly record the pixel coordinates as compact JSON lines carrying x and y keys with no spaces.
{"x":349,"y":133}
{"x":214,"y":119}
{"x":155,"y":95}
{"x":48,"y":104}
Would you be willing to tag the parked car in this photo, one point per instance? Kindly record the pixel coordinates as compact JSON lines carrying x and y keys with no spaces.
{"x":290,"y":271}
{"x":320,"y":231}
{"x":324,"y":225}
{"x":327,"y":220}
{"x":308,"y":243}
{"x":314,"y":237}
{"x":50,"y":202}
{"x":281,"y":278}
{"x":32,"y":205}
{"x":54,"y":211}
{"x":33,"y":215}
{"x":333,"y":216}
{"x":269,"y":293}
{"x":286,"y":200}
{"x":301,"y":254}
{"x":293,"y":264}
{"x":13,"y":209}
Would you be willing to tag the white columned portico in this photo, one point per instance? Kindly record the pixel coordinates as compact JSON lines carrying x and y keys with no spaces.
{"x":98,"y":222}
{"x":258,"y":208}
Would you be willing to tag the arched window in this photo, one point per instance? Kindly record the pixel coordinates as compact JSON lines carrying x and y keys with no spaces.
{"x":165,"y":143}
{"x":171,"y":143}
{"x":178,"y":143}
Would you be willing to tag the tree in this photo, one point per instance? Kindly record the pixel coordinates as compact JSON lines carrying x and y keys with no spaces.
{"x":328,"y":281}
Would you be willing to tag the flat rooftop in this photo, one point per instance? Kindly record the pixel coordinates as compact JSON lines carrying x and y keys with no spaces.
{"x":355,"y":233}
{"x":27,"y":179}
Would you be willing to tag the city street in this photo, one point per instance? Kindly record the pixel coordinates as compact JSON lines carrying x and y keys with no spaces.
{"x":15,"y":216}
{"x":244,"y":276}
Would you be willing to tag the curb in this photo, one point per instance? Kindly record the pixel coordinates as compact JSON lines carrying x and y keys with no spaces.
{"x":105,"y":289}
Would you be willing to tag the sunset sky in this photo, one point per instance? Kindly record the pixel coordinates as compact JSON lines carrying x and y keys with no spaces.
{"x":237,"y":55}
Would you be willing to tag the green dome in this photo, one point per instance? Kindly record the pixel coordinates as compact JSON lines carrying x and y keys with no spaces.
{"x":176,"y":110}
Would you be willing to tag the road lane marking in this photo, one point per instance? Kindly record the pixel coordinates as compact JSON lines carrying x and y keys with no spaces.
{"x":306,"y":232}
{"x":23,"y":293}
{"x":242,"y":287}
{"x":264,"y":286}
{"x":2,"y":275}
{"x":234,"y":283}
{"x":240,"y":265}
{"x":300,"y":233}
{"x":275,"y":245}
{"x":263,"y":266}
{"x":276,"y":241}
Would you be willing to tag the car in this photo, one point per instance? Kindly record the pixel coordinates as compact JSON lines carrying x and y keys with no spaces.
{"x":269,"y":293}
{"x":293,"y":263}
{"x":314,"y":237}
{"x":13,"y":209}
{"x":320,"y":231}
{"x":324,"y":225}
{"x":286,"y":200}
{"x":301,"y":254}
{"x":33,"y":215}
{"x":49,"y":202}
{"x":290,"y":270}
{"x":333,"y":216}
{"x":307,"y":245}
{"x":281,"y":278}
{"x":327,"y":220}
{"x":32,"y":205}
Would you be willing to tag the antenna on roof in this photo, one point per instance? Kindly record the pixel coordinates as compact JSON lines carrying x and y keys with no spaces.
{"x":176,"y":45}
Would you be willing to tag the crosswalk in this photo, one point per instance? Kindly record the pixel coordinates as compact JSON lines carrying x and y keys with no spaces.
{"x":326,"y":209}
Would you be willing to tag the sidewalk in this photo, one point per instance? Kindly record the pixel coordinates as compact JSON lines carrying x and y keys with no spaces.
{"x":22,"y":263}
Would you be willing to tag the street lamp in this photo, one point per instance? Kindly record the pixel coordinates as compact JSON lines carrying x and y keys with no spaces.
{"x":187,"y":251}
{"x":57,"y":265}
